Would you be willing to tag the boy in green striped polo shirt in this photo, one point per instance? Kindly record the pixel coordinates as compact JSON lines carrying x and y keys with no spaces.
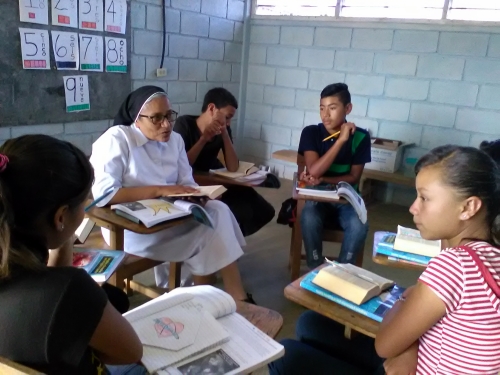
{"x":341,"y":158}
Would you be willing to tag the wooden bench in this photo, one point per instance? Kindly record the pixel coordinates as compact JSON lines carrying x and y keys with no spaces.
{"x":365,"y":185}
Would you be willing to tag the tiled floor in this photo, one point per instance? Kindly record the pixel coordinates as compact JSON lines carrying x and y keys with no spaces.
{"x":264,"y":267}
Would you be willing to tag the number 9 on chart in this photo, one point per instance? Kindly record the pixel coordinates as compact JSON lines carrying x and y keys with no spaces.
{"x":116,"y":55}
{"x":76,"y":90}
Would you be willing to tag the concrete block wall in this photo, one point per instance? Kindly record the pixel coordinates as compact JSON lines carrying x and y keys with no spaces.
{"x":82,"y":134}
{"x":203,"y":50}
{"x":424,"y":86}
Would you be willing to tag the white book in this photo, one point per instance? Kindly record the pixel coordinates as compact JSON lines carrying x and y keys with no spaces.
{"x":340,"y":190}
{"x":246,"y":350}
{"x":154,"y":211}
{"x":83,"y":231}
{"x":410,"y":241}
{"x":244,"y":169}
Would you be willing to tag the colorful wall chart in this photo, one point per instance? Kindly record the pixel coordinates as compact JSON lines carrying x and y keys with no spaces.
{"x":76,"y":90}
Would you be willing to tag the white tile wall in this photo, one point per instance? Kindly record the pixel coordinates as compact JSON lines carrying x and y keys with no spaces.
{"x":426,"y":87}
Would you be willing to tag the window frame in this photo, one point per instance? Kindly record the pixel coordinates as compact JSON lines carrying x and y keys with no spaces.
{"x":443,"y":21}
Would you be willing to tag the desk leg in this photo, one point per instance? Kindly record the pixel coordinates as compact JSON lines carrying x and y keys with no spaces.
{"x":296,"y":243}
{"x":174,"y":278}
{"x":116,"y":242}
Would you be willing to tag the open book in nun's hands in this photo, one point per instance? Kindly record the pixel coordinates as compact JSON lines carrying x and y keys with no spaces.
{"x":154,"y":211}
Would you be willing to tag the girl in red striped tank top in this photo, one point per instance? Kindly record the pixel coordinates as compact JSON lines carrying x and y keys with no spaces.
{"x":449,"y":323}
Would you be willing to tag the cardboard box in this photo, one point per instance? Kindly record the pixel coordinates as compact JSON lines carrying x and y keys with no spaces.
{"x":387,"y":155}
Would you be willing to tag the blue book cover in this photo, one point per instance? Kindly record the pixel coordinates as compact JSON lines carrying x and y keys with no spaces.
{"x":99,"y":264}
{"x":420,"y":259}
{"x":387,"y":241}
{"x":375,"y":308}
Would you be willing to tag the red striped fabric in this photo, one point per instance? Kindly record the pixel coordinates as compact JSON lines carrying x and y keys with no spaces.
{"x":467,"y":339}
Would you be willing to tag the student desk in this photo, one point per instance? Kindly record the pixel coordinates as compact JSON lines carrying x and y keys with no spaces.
{"x":367,"y":177}
{"x":384,"y":261}
{"x":350,"y":319}
{"x":106,"y":218}
{"x":207,"y":179}
{"x":267,"y":320}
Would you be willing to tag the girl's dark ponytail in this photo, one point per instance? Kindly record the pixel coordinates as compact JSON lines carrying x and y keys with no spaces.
{"x":38,"y":175}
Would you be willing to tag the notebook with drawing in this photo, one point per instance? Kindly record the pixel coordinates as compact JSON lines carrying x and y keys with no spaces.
{"x":243,"y":349}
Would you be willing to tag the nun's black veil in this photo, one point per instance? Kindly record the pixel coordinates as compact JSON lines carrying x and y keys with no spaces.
{"x":132,"y":106}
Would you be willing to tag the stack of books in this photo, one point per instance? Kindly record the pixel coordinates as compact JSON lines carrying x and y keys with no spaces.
{"x":355,"y":288}
{"x":407,"y":246}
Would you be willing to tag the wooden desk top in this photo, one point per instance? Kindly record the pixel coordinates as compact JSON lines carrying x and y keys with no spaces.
{"x":384,"y":261}
{"x":291,"y":156}
{"x":331,"y":309}
{"x":267,"y":320}
{"x":395,"y":178}
{"x":106,"y":218}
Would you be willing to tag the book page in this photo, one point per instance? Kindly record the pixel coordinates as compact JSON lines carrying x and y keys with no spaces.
{"x":346,"y":191}
{"x":151,"y":211}
{"x":209,"y":337}
{"x":174,"y":329}
{"x":347,"y":276}
{"x":247,"y":349}
{"x":161,"y":303}
{"x":198,"y":212}
{"x":379,"y":280}
{"x":213,"y":299}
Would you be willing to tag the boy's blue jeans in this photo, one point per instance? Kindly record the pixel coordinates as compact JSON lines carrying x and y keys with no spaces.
{"x":315,"y":215}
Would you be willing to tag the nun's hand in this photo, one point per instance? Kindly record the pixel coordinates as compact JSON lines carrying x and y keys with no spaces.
{"x":166,"y":191}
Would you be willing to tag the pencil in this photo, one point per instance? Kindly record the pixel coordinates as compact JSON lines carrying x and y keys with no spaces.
{"x":86,"y":209}
{"x":331,"y":136}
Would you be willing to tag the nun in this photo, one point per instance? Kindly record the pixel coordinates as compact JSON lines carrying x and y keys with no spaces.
{"x":140,"y":157}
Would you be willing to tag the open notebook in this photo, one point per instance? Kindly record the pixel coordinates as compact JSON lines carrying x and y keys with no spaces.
{"x":243,"y":349}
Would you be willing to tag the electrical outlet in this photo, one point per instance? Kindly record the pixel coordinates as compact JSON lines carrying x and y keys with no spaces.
{"x":161,"y":72}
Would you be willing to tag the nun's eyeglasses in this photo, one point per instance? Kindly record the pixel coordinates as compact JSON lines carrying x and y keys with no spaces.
{"x":159,"y":119}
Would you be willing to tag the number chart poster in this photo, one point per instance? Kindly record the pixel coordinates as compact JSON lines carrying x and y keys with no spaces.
{"x":91,"y":53}
{"x":35,"y":48}
{"x":91,"y":16}
{"x":65,"y":13}
{"x":116,"y":55}
{"x":34,"y":11}
{"x":76,"y":90}
{"x":116,"y":16}
{"x":65,"y":46}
